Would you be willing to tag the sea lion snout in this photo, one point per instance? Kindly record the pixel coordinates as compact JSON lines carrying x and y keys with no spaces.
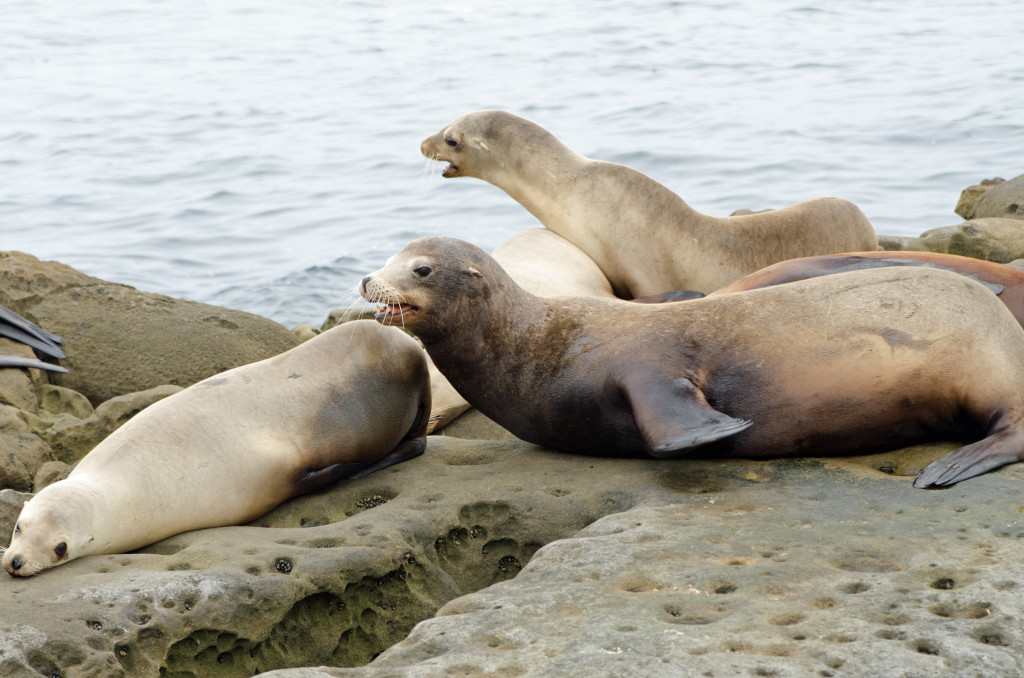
{"x":15,"y":564}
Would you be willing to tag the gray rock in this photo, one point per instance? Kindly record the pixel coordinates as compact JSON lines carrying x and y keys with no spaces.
{"x":71,"y":438}
{"x":898,"y":243}
{"x":119,"y":340}
{"x":999,"y":240}
{"x":994,"y":198}
{"x":57,"y":400}
{"x":791,"y":567}
{"x":21,"y":450}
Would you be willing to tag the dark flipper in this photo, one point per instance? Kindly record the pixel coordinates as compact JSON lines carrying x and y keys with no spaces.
{"x":405,"y":450}
{"x":676,"y":295}
{"x":18,"y":361}
{"x":20,"y":335}
{"x":999,"y":449}
{"x":675,"y":417}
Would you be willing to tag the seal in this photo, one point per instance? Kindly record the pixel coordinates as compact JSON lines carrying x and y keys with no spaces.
{"x":852,"y":363}
{"x":645,"y":238}
{"x":544,"y":264}
{"x":1006,"y":282}
{"x":228,"y":449}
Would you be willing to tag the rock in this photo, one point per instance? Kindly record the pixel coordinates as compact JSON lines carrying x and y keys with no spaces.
{"x":1018,"y":263}
{"x":120,"y":340}
{"x":788,"y":568}
{"x":16,"y":386}
{"x":993,"y":198}
{"x":733,"y":567}
{"x":999,"y":240}
{"x":72,"y":438}
{"x":21,"y":450}
{"x":474,"y":425}
{"x":305,"y":332}
{"x":49,"y":473}
{"x":338,"y":316}
{"x":11,"y":502}
{"x":898,"y":243}
{"x":57,"y":400}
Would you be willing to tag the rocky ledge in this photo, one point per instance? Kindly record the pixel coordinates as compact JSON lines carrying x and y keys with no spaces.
{"x":490,"y":556}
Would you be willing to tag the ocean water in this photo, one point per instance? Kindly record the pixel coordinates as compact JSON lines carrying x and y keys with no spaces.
{"x":265,"y":156}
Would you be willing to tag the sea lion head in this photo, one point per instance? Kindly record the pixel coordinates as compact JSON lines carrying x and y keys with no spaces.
{"x":432,"y":283}
{"x":480,"y":142}
{"x":46,"y":535}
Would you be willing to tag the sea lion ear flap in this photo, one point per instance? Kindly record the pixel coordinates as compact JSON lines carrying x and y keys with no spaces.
{"x":474,"y":272}
{"x":674,"y":417}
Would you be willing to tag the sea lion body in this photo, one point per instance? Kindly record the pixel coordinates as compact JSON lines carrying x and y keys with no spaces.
{"x":645,"y":238}
{"x":851,"y":363}
{"x":231,"y":447}
{"x":1006,"y":282}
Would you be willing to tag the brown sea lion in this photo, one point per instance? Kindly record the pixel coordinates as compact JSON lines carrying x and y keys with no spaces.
{"x":1007,"y":282}
{"x":543,"y":263}
{"x":644,"y":237}
{"x":851,"y":363}
{"x":231,"y":447}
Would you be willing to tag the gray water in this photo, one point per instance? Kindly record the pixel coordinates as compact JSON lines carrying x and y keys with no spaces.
{"x":264,"y":155}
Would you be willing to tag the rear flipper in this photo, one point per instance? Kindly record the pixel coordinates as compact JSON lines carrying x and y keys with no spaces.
{"x":675,"y":417}
{"x":314,"y":480}
{"x":999,"y":449}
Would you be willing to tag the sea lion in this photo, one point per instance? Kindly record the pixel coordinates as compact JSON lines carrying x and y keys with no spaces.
{"x":231,"y":447}
{"x":544,"y":264}
{"x":644,"y":237}
{"x":851,"y":363}
{"x":1006,"y":282}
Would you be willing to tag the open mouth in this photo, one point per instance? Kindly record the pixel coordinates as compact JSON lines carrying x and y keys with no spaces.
{"x":450,"y":171}
{"x":392,"y":311}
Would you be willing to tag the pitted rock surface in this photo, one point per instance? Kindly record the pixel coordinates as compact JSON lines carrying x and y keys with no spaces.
{"x":788,"y":568}
{"x":686,"y":567}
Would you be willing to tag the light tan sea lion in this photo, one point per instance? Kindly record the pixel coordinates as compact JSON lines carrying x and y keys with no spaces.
{"x":228,"y":449}
{"x":644,"y":237}
{"x":852,"y":363}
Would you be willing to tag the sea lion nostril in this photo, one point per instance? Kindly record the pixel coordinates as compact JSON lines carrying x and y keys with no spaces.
{"x":364,"y":282}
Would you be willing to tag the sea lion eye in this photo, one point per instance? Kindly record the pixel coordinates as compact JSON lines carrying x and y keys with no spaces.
{"x":61,"y":549}
{"x":17,"y":529}
{"x":451,"y":142}
{"x":422,"y":271}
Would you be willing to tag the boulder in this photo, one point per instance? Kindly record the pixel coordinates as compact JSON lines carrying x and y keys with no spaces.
{"x":899,"y":243}
{"x":119,"y":340}
{"x":999,"y":240}
{"x":71,"y":438}
{"x":993,"y":198}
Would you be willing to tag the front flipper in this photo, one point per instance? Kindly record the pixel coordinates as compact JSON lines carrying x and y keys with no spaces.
{"x":675,"y":417}
{"x":999,"y":449}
